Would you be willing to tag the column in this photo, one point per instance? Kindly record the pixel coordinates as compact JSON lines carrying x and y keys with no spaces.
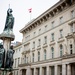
{"x":56,"y":70}
{"x":28,"y":71}
{"x":63,"y":69}
{"x":35,"y":71}
{"x":20,"y":72}
{"x":68,"y":69}
{"x":47,"y":70}
{"x":40,"y":70}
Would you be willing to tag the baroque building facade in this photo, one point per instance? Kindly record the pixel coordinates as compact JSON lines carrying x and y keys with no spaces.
{"x":48,"y":45}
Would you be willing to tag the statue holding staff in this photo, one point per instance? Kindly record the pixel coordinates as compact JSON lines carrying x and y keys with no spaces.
{"x":9,"y":20}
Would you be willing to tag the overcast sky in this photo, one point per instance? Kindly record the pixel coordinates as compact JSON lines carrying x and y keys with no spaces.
{"x":21,"y":13}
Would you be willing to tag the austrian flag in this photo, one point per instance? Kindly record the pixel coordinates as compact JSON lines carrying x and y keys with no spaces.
{"x":30,"y":10}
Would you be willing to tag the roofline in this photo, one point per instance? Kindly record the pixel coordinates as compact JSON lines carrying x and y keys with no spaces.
{"x":42,"y":15}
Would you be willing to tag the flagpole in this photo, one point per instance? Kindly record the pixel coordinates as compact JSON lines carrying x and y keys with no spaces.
{"x":30,"y":11}
{"x":30,"y":16}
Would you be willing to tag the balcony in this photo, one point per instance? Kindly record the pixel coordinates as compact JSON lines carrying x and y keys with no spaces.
{"x":26,"y":51}
{"x":24,"y":64}
{"x":70,"y":35}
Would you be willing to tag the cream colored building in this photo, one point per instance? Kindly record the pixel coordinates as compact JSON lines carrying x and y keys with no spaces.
{"x":17,"y":58}
{"x":48,"y":45}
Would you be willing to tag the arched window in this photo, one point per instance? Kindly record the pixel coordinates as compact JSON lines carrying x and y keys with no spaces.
{"x":61,"y":50}
{"x":33,"y":57}
{"x":44,"y":54}
{"x":38,"y":56}
{"x":25,"y":58}
{"x":52,"y":52}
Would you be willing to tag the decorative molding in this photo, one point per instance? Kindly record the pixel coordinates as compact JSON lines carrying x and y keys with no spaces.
{"x":45,"y":45}
{"x":52,"y":43}
{"x":60,"y":6}
{"x":61,"y":40}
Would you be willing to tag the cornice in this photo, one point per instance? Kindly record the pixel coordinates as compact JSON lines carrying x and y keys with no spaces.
{"x":46,"y":15}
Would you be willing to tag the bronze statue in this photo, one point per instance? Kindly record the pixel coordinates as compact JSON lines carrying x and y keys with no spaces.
{"x":9,"y":20}
{"x":2,"y":56}
{"x":9,"y":58}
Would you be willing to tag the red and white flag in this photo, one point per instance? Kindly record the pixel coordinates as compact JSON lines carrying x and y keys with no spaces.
{"x":30,"y":10}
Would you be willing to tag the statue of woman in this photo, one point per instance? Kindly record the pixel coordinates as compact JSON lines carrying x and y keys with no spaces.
{"x":9,"y":20}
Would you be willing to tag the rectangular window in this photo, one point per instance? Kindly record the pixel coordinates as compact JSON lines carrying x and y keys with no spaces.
{"x":61,"y":20}
{"x":33,"y":57}
{"x":52,"y":70}
{"x":71,"y":48}
{"x":52,"y":35}
{"x":34,"y":33}
{"x":61,"y":33}
{"x":60,"y":69}
{"x":39,"y":42}
{"x":32,"y":71}
{"x":38,"y":56}
{"x":17,"y":72}
{"x":52,"y":24}
{"x":33,"y":44}
{"x":44,"y":70}
{"x":71,"y":28}
{"x":72,"y":14}
{"x":18,"y":61}
{"x":46,"y":28}
{"x":44,"y":54}
{"x":25,"y":58}
{"x":15,"y":62}
{"x":52,"y":51}
{"x":39,"y":31}
{"x":27,"y":38}
{"x":45,"y":40}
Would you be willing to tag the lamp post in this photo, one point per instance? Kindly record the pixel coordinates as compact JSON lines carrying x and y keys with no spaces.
{"x":6,"y":50}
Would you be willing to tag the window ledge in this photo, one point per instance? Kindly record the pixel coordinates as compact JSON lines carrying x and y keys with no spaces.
{"x":45,"y":45}
{"x":52,"y":43}
{"x":61,"y":40}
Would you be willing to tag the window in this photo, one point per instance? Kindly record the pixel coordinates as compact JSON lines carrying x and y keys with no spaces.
{"x":19,"y":48}
{"x":60,"y":69}
{"x":44,"y":54}
{"x":25,"y":58}
{"x":72,"y":14}
{"x":39,"y":42}
{"x":27,"y":37}
{"x":61,"y":20}
{"x":61,"y":33}
{"x":18,"y":61}
{"x":39,"y":31}
{"x":15,"y":62}
{"x":52,"y":51}
{"x":38,"y":56}
{"x":52,"y":70}
{"x":44,"y":71}
{"x":45,"y":40}
{"x":33,"y":44}
{"x":34,"y":34}
{"x":52,"y":24}
{"x":17,"y":72}
{"x":52,"y":35}
{"x":61,"y":50}
{"x":71,"y":49}
{"x":33,"y":57}
{"x":46,"y":28}
{"x":71,"y":28}
{"x":14,"y":72}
